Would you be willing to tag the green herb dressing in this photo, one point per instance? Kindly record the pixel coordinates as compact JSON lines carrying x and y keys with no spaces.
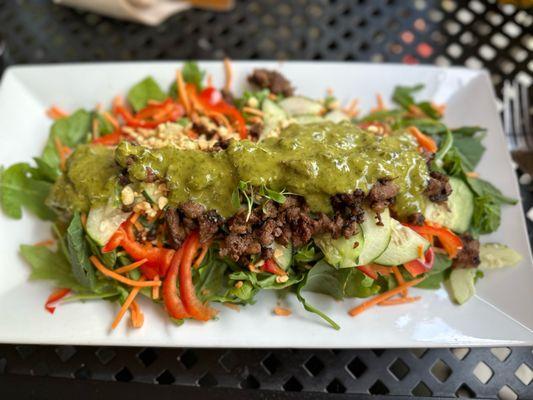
{"x":315,"y":161}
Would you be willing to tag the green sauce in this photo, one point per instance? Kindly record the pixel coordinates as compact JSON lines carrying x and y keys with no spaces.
{"x":315,"y":161}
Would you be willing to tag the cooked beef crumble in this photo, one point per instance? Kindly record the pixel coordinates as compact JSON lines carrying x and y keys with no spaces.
{"x":382,"y":194}
{"x":468,"y":256}
{"x":439,"y":187}
{"x":271,"y":80}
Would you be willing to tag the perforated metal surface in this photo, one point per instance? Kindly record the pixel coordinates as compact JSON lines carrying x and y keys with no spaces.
{"x":473,"y":33}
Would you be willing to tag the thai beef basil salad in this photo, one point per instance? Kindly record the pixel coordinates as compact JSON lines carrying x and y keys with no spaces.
{"x":195,"y":196}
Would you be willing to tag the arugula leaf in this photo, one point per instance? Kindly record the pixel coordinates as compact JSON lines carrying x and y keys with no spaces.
{"x":445,"y":145}
{"x":470,"y":150}
{"x":18,"y":188}
{"x":71,"y":131}
{"x":429,"y":110}
{"x":487,"y":215}
{"x":483,"y":188}
{"x":356,"y":284}
{"x":44,"y":171}
{"x":109,"y":259}
{"x":264,"y":280}
{"x":311,"y":282}
{"x":259,"y":95}
{"x":468,"y":131}
{"x":382,"y":115}
{"x":78,"y":253}
{"x":305,"y":254}
{"x":193,"y":74}
{"x":403,"y":95}
{"x":278,"y":197}
{"x":104,"y":125}
{"x":48,"y":265}
{"x":437,"y":274}
{"x":145,"y":90}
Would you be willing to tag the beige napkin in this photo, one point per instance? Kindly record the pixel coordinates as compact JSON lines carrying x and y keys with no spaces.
{"x":148,"y":12}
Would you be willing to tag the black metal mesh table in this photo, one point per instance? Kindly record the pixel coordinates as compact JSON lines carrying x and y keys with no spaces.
{"x":473,"y":33}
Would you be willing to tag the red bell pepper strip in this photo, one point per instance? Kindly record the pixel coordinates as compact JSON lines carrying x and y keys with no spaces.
{"x":173,"y":303}
{"x":372,"y":270}
{"x":272,"y":267}
{"x":417,"y":267}
{"x":54,"y":297}
{"x":135,"y":122}
{"x":211,"y":100}
{"x":111,"y":139}
{"x":368,"y":271}
{"x":193,"y":305}
{"x":159,"y":259}
{"x":449,"y":241}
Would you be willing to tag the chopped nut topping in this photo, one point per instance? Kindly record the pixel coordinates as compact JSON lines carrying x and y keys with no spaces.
{"x":282,"y":278}
{"x":127,"y":196}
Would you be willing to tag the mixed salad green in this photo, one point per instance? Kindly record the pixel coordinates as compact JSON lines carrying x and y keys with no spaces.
{"x":194,"y":196}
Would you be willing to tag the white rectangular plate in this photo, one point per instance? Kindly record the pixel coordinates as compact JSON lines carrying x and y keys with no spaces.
{"x":500,"y":313}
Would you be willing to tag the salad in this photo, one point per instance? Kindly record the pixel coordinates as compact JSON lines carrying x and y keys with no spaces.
{"x":196,"y":195}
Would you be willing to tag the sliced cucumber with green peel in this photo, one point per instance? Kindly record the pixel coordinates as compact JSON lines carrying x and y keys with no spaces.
{"x":308,"y":119}
{"x":103,"y":222}
{"x":457,"y":212}
{"x":496,"y":255}
{"x":283,"y":255}
{"x":299,"y":105}
{"x":336,"y":116}
{"x":341,"y":252}
{"x":152,"y":193}
{"x":404,"y":245}
{"x":462,"y":284}
{"x":377,"y":236}
{"x":273,"y":117}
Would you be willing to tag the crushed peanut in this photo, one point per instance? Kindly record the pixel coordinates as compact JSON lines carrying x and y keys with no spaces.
{"x":162,"y":202}
{"x":127,"y":196}
{"x":239,"y":284}
{"x":252,"y":102}
{"x":282,"y":278}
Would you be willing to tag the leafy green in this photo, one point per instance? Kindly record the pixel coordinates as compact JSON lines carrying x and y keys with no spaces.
{"x":142,"y":92}
{"x":70,"y":131}
{"x":382,"y":115}
{"x":357,"y":284}
{"x":445,"y":145}
{"x":49,"y":265}
{"x":262,"y":280}
{"x":403,"y":95}
{"x":484,"y":188}
{"x":437,"y":274}
{"x":109,"y":259}
{"x":306,"y":254}
{"x":468,"y":131}
{"x":18,"y":188}
{"x":44,"y":172}
{"x":278,"y":197}
{"x":193,"y":74}
{"x":325,"y":279}
{"x":259,"y":95}
{"x":470,"y":150}
{"x":104,"y":125}
{"x":78,"y":252}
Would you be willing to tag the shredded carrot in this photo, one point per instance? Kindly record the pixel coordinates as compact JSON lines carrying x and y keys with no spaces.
{"x":232,"y":306}
{"x":352,"y":109}
{"x":137,"y":316}
{"x":220,"y":118}
{"x":252,"y":267}
{"x":47,"y":242}
{"x":56,"y":113}
{"x":118,"y":101}
{"x":421,"y":252}
{"x":253,"y":111}
{"x":138,"y":226}
{"x":439,"y":250}
{"x":256,"y":120}
{"x":111,"y":119}
{"x":112,"y":274}
{"x":415,"y":111}
{"x":380,"y":104}
{"x":95,"y":128}
{"x":126,"y":305}
{"x":383,"y":296}
{"x":130,"y":267}
{"x":201,"y":256}
{"x":210,"y":80}
{"x":155,"y":289}
{"x":272,"y":96}
{"x":401,"y":300}
{"x":229,"y":74}
{"x":399,"y":278}
{"x":282,"y":312}
{"x":134,"y":217}
{"x":182,"y":92}
{"x":472,"y":174}
{"x":83,"y":218}
{"x":424,"y":141}
{"x":62,"y":151}
{"x":440,"y":108}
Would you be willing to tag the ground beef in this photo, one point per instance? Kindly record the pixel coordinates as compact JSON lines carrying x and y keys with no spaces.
{"x":151,"y":176}
{"x":438,"y":188}
{"x":202,"y":129}
{"x":254,"y":132}
{"x":176,"y":231}
{"x":468,"y":256}
{"x":382,"y":195}
{"x":208,"y":225}
{"x":416,"y":219}
{"x":192,"y":210}
{"x":221,"y":144}
{"x":235,"y":246}
{"x":227,"y":96}
{"x":349,"y":205}
{"x":123,"y":178}
{"x":272,"y":80}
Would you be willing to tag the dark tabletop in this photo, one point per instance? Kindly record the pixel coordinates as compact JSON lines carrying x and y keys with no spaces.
{"x":473,"y":33}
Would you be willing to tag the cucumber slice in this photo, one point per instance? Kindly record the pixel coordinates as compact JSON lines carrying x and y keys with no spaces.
{"x":273,"y":117}
{"x":299,"y":105}
{"x":462,"y":284}
{"x":308,"y":119}
{"x":341,"y":252}
{"x":377,"y":237}
{"x":283,"y":255}
{"x":457,"y":212}
{"x":336,"y":116}
{"x":496,"y":255}
{"x":103,"y":222}
{"x":152,"y":193}
{"x":403,"y":246}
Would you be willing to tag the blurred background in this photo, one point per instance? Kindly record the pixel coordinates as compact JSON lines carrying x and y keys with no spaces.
{"x":486,"y":34}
